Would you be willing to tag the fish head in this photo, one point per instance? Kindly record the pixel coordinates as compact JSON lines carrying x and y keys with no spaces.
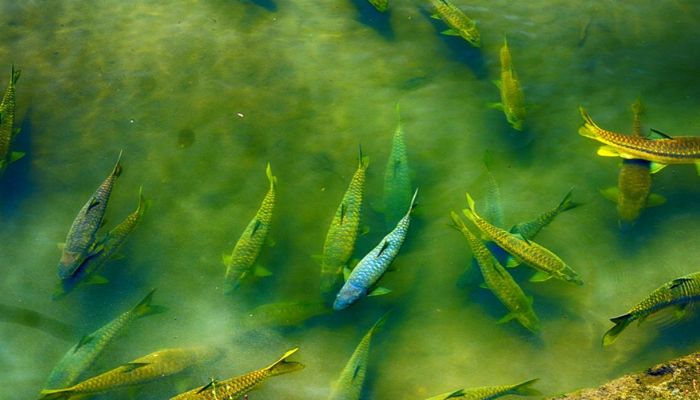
{"x":348,"y":294}
{"x":571,"y":276}
{"x":68,"y":264}
{"x":530,"y":321}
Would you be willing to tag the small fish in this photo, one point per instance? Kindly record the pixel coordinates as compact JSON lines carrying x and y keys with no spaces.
{"x":7,"y":123}
{"x":81,"y":356}
{"x":493,"y":211}
{"x":33,"y":319}
{"x":397,"y":178}
{"x":235,"y":388}
{"x":342,"y":234}
{"x":527,"y":252}
{"x":459,"y":23}
{"x":111,"y":245}
{"x":491,"y":392}
{"x":144,"y":369}
{"x":679,"y":293}
{"x":380,"y":5}
{"x":633,"y":191}
{"x":352,"y":377}
{"x":512,"y":98}
{"x":528,"y":230}
{"x":80,"y":242}
{"x":241,"y":263}
{"x":372,"y":266}
{"x":660,"y":152}
{"x":499,"y":281}
{"x":284,"y":314}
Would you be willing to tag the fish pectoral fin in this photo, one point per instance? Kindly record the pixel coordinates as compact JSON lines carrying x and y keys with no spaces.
{"x":655,"y":200}
{"x":128,"y":367}
{"x":435,"y":16}
{"x":271,"y":242}
{"x":379,"y":291}
{"x":61,"y":245}
{"x":96,"y":280}
{"x":540,"y":276}
{"x":512,"y":262}
{"x":496,"y":106}
{"x":117,"y":256}
{"x":346,"y":273}
{"x":608,"y":151}
{"x":364,"y":230}
{"x":261,"y":271}
{"x":506,"y":318}
{"x":483,"y":285}
{"x":450,"y":32}
{"x":611,"y":193}
{"x":655,"y":167}
{"x":681,"y":311}
{"x":655,"y":134}
{"x":16,"y":155}
{"x":16,"y":132}
{"x":226,"y":258}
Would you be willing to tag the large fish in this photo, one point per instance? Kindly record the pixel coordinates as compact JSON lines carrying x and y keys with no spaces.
{"x":490,"y":392}
{"x":660,"y":152}
{"x":80,"y":242}
{"x":633,"y":191}
{"x":679,"y":293}
{"x":241,"y":263}
{"x":81,"y":356}
{"x":352,"y":377}
{"x":111,"y":245}
{"x":372,"y":266}
{"x":527,"y":252}
{"x":499,"y":281}
{"x":144,"y":369}
{"x":7,"y":123}
{"x":459,"y":23}
{"x":235,"y":388}
{"x":512,"y":98}
{"x":528,"y":230}
{"x":342,"y":234}
{"x":397,"y":178}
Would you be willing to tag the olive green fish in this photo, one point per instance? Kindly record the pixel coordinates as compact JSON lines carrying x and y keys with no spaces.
{"x":241,"y":263}
{"x":341,"y":236}
{"x":397,"y":178}
{"x":144,"y":369}
{"x":111,"y":245}
{"x":633,"y":191}
{"x":80,"y":242}
{"x":499,"y":281}
{"x":459,"y":23}
{"x":380,"y":5}
{"x":81,"y":356}
{"x":660,"y":152}
{"x":235,"y":388}
{"x":528,"y":230}
{"x":349,"y":383}
{"x":490,"y":392}
{"x":527,"y":252}
{"x":7,"y":123}
{"x":512,"y":98}
{"x":679,"y":293}
{"x":283,"y":314}
{"x":33,"y":319}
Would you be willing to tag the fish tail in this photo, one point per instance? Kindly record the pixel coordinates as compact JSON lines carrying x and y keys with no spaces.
{"x":471,"y":211}
{"x":566,"y":203}
{"x":378,"y":324}
{"x":143,"y":203}
{"x":413,"y":202}
{"x":118,"y":166}
{"x":14,"y":75}
{"x":621,"y":323}
{"x":525,"y":389}
{"x":457,"y":222}
{"x":589,"y":128}
{"x":145,"y":307}
{"x":282,"y":366}
{"x":56,"y":394}
{"x":270,"y":177}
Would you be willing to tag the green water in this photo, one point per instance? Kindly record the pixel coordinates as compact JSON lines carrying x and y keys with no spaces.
{"x":301,"y":84}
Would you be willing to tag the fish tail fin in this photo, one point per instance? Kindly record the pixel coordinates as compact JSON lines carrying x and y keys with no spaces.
{"x":145,"y":307}
{"x":525,"y":389}
{"x":413,"y":202}
{"x":143,"y":203}
{"x":14,"y":75}
{"x":566,"y":203}
{"x":457,"y":222}
{"x":270,"y":177}
{"x":56,"y":394}
{"x":621,"y":323}
{"x":378,"y":324}
{"x":471,"y":211}
{"x":118,"y":166}
{"x":282,"y":366}
{"x":589,"y":128}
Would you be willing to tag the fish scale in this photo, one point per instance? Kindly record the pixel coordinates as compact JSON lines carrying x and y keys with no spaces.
{"x":7,"y":121}
{"x":457,"y":20}
{"x":397,"y":178}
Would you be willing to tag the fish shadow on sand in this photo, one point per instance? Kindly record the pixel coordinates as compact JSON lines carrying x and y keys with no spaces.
{"x":16,"y":183}
{"x":379,"y":21}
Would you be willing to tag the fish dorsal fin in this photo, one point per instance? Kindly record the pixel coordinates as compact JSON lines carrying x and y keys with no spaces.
{"x":655,"y":200}
{"x":128,"y":367}
{"x":93,"y":203}
{"x":385,"y":245}
{"x":257,"y":225}
{"x":83,"y":341}
{"x":611,"y":193}
{"x":342,"y":213}
{"x":211,"y":384}
{"x":679,"y":281}
{"x":656,"y":134}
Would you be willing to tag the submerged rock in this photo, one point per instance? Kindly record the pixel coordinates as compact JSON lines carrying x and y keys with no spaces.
{"x":675,"y":379}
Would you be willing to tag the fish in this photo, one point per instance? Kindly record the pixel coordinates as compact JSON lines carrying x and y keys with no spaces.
{"x":528,"y":230}
{"x":283,"y":314}
{"x":235,"y":388}
{"x":241,"y":263}
{"x":150,"y":367}
{"x":490,"y":392}
{"x":397,"y":178}
{"x":81,"y":356}
{"x":679,"y":293}
{"x":548,"y":264}
{"x":372,"y":266}
{"x":33,"y":319}
{"x":342,"y":234}
{"x":380,"y":5}
{"x":111,"y":244}
{"x":633,"y":191}
{"x":80,"y":241}
{"x":499,"y":281}
{"x":349,"y":384}
{"x":459,"y":23}
{"x":512,"y":98}
{"x":660,"y":151}
{"x":7,"y":123}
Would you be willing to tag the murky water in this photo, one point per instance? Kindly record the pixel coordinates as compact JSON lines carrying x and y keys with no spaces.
{"x":200,"y":95}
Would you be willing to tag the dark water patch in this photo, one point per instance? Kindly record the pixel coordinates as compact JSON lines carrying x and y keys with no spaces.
{"x":379,"y":21}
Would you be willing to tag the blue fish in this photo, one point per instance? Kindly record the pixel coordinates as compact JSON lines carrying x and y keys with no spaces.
{"x":368,"y":271}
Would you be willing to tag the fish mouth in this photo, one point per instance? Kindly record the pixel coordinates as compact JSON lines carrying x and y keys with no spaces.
{"x":68,"y":264}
